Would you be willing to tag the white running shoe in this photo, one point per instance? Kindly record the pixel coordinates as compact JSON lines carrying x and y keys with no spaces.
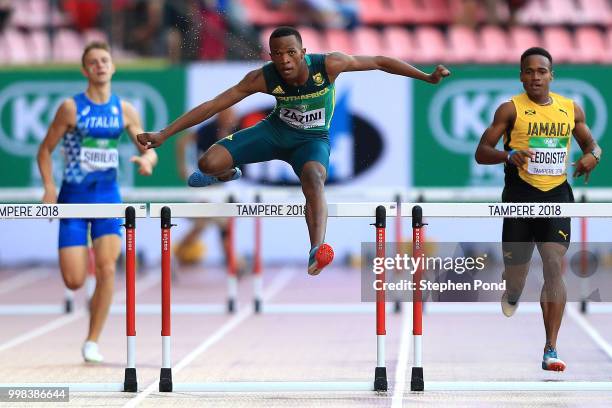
{"x":508,"y":308}
{"x":91,"y":354}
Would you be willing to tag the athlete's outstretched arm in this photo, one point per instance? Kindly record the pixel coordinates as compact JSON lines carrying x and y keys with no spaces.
{"x":252,"y":83}
{"x":64,"y":120}
{"x":589,"y":146}
{"x":338,"y":62}
{"x":486,"y":153}
{"x":148,"y":158}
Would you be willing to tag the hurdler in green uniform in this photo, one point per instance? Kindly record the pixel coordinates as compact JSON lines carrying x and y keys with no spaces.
{"x":296,"y":131}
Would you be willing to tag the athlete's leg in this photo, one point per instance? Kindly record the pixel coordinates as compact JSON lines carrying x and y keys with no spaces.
{"x":218,"y":162}
{"x":553,"y":296}
{"x":73,"y":265}
{"x":517,"y":248}
{"x":106,"y":249}
{"x":309,"y":159}
{"x":73,"y":252}
{"x":313,"y":177}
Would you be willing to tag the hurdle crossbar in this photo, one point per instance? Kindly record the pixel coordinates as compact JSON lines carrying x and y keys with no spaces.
{"x":127,"y":211}
{"x":490,"y":210}
{"x":274,"y":386}
{"x":166,"y":211}
{"x":72,"y":387}
{"x":53,"y":211}
{"x":510,"y":210}
{"x":211,"y":210}
{"x":518,"y":386}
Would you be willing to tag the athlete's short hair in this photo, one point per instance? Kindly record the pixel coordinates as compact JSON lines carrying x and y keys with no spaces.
{"x":95,"y":45}
{"x":536,"y":51}
{"x":285,"y":31}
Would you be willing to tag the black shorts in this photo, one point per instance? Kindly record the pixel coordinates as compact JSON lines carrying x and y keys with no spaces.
{"x":523,"y":232}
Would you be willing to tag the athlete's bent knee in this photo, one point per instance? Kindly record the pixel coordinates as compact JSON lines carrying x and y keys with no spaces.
{"x":313,"y":180}
{"x":105,"y":272}
{"x":73,"y":283}
{"x":216,"y":160}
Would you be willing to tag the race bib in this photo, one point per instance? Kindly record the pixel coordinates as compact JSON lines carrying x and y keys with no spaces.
{"x":99,"y":154}
{"x":550,"y":156}
{"x":303,"y":120}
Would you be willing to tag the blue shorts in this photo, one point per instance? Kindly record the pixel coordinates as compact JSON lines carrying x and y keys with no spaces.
{"x":73,"y":231}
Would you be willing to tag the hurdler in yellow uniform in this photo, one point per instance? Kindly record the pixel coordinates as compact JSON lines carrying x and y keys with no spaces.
{"x":537,"y":127}
{"x":546,"y":130}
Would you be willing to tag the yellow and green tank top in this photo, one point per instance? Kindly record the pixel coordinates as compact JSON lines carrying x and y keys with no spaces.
{"x":547,"y":131}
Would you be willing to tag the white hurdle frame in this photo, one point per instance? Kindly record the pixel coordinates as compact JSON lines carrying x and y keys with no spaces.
{"x":496,"y":210}
{"x":165,"y":211}
{"x":128,"y":212}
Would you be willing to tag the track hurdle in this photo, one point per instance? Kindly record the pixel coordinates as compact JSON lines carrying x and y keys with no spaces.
{"x":492,"y":210}
{"x":127,"y":211}
{"x":167,"y":211}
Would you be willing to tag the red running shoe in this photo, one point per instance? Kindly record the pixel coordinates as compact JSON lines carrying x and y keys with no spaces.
{"x":319,"y":257}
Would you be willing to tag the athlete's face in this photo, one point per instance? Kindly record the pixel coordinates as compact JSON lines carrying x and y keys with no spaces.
{"x":287,"y":55}
{"x":536,"y":74}
{"x":98,"y":66}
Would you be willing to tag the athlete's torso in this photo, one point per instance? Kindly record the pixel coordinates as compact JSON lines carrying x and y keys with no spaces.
{"x":90,"y":149}
{"x":307,"y":108}
{"x":547,"y":131}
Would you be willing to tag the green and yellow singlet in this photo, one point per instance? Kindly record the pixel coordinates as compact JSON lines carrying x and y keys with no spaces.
{"x":306,"y":108}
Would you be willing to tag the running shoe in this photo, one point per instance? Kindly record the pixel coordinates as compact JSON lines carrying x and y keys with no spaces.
{"x":199,"y":179}
{"x":508,"y":308}
{"x":319,"y":257}
{"x":90,"y":352}
{"x":551,"y":362}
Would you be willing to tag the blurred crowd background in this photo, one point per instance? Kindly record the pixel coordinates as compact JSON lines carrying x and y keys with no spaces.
{"x":422,"y":31}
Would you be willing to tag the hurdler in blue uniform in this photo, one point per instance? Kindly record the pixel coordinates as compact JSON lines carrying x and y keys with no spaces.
{"x":89,"y":126}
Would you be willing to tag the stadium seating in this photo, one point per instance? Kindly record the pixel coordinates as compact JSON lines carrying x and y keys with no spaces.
{"x":494,"y":45}
{"x":559,"y":42}
{"x":419,"y":31}
{"x":398,"y":42}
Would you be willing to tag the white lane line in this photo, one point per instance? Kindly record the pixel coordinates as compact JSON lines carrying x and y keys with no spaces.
{"x":402,"y":358}
{"x":589,"y":329}
{"x":148,"y":282}
{"x":277,"y":284}
{"x":22,"y":279}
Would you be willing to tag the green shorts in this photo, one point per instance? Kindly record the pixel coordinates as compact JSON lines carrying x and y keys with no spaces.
{"x":267,"y":141}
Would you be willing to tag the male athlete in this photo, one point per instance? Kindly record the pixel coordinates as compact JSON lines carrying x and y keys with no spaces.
{"x":90,"y":125}
{"x":537,"y":126}
{"x":296,"y":131}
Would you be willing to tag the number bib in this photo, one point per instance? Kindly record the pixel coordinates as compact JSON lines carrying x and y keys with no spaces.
{"x":550,"y":156}
{"x":303,"y":120}
{"x":99,"y":154}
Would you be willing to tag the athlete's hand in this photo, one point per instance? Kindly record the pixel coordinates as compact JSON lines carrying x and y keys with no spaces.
{"x":50,"y":196}
{"x":440,"y":72}
{"x":150,"y":140}
{"x":584,"y":166}
{"x":145,"y":168}
{"x":520,"y":157}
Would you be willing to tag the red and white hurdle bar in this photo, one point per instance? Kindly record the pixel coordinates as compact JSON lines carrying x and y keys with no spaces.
{"x":205,"y":210}
{"x":127,"y":211}
{"x":490,"y":210}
